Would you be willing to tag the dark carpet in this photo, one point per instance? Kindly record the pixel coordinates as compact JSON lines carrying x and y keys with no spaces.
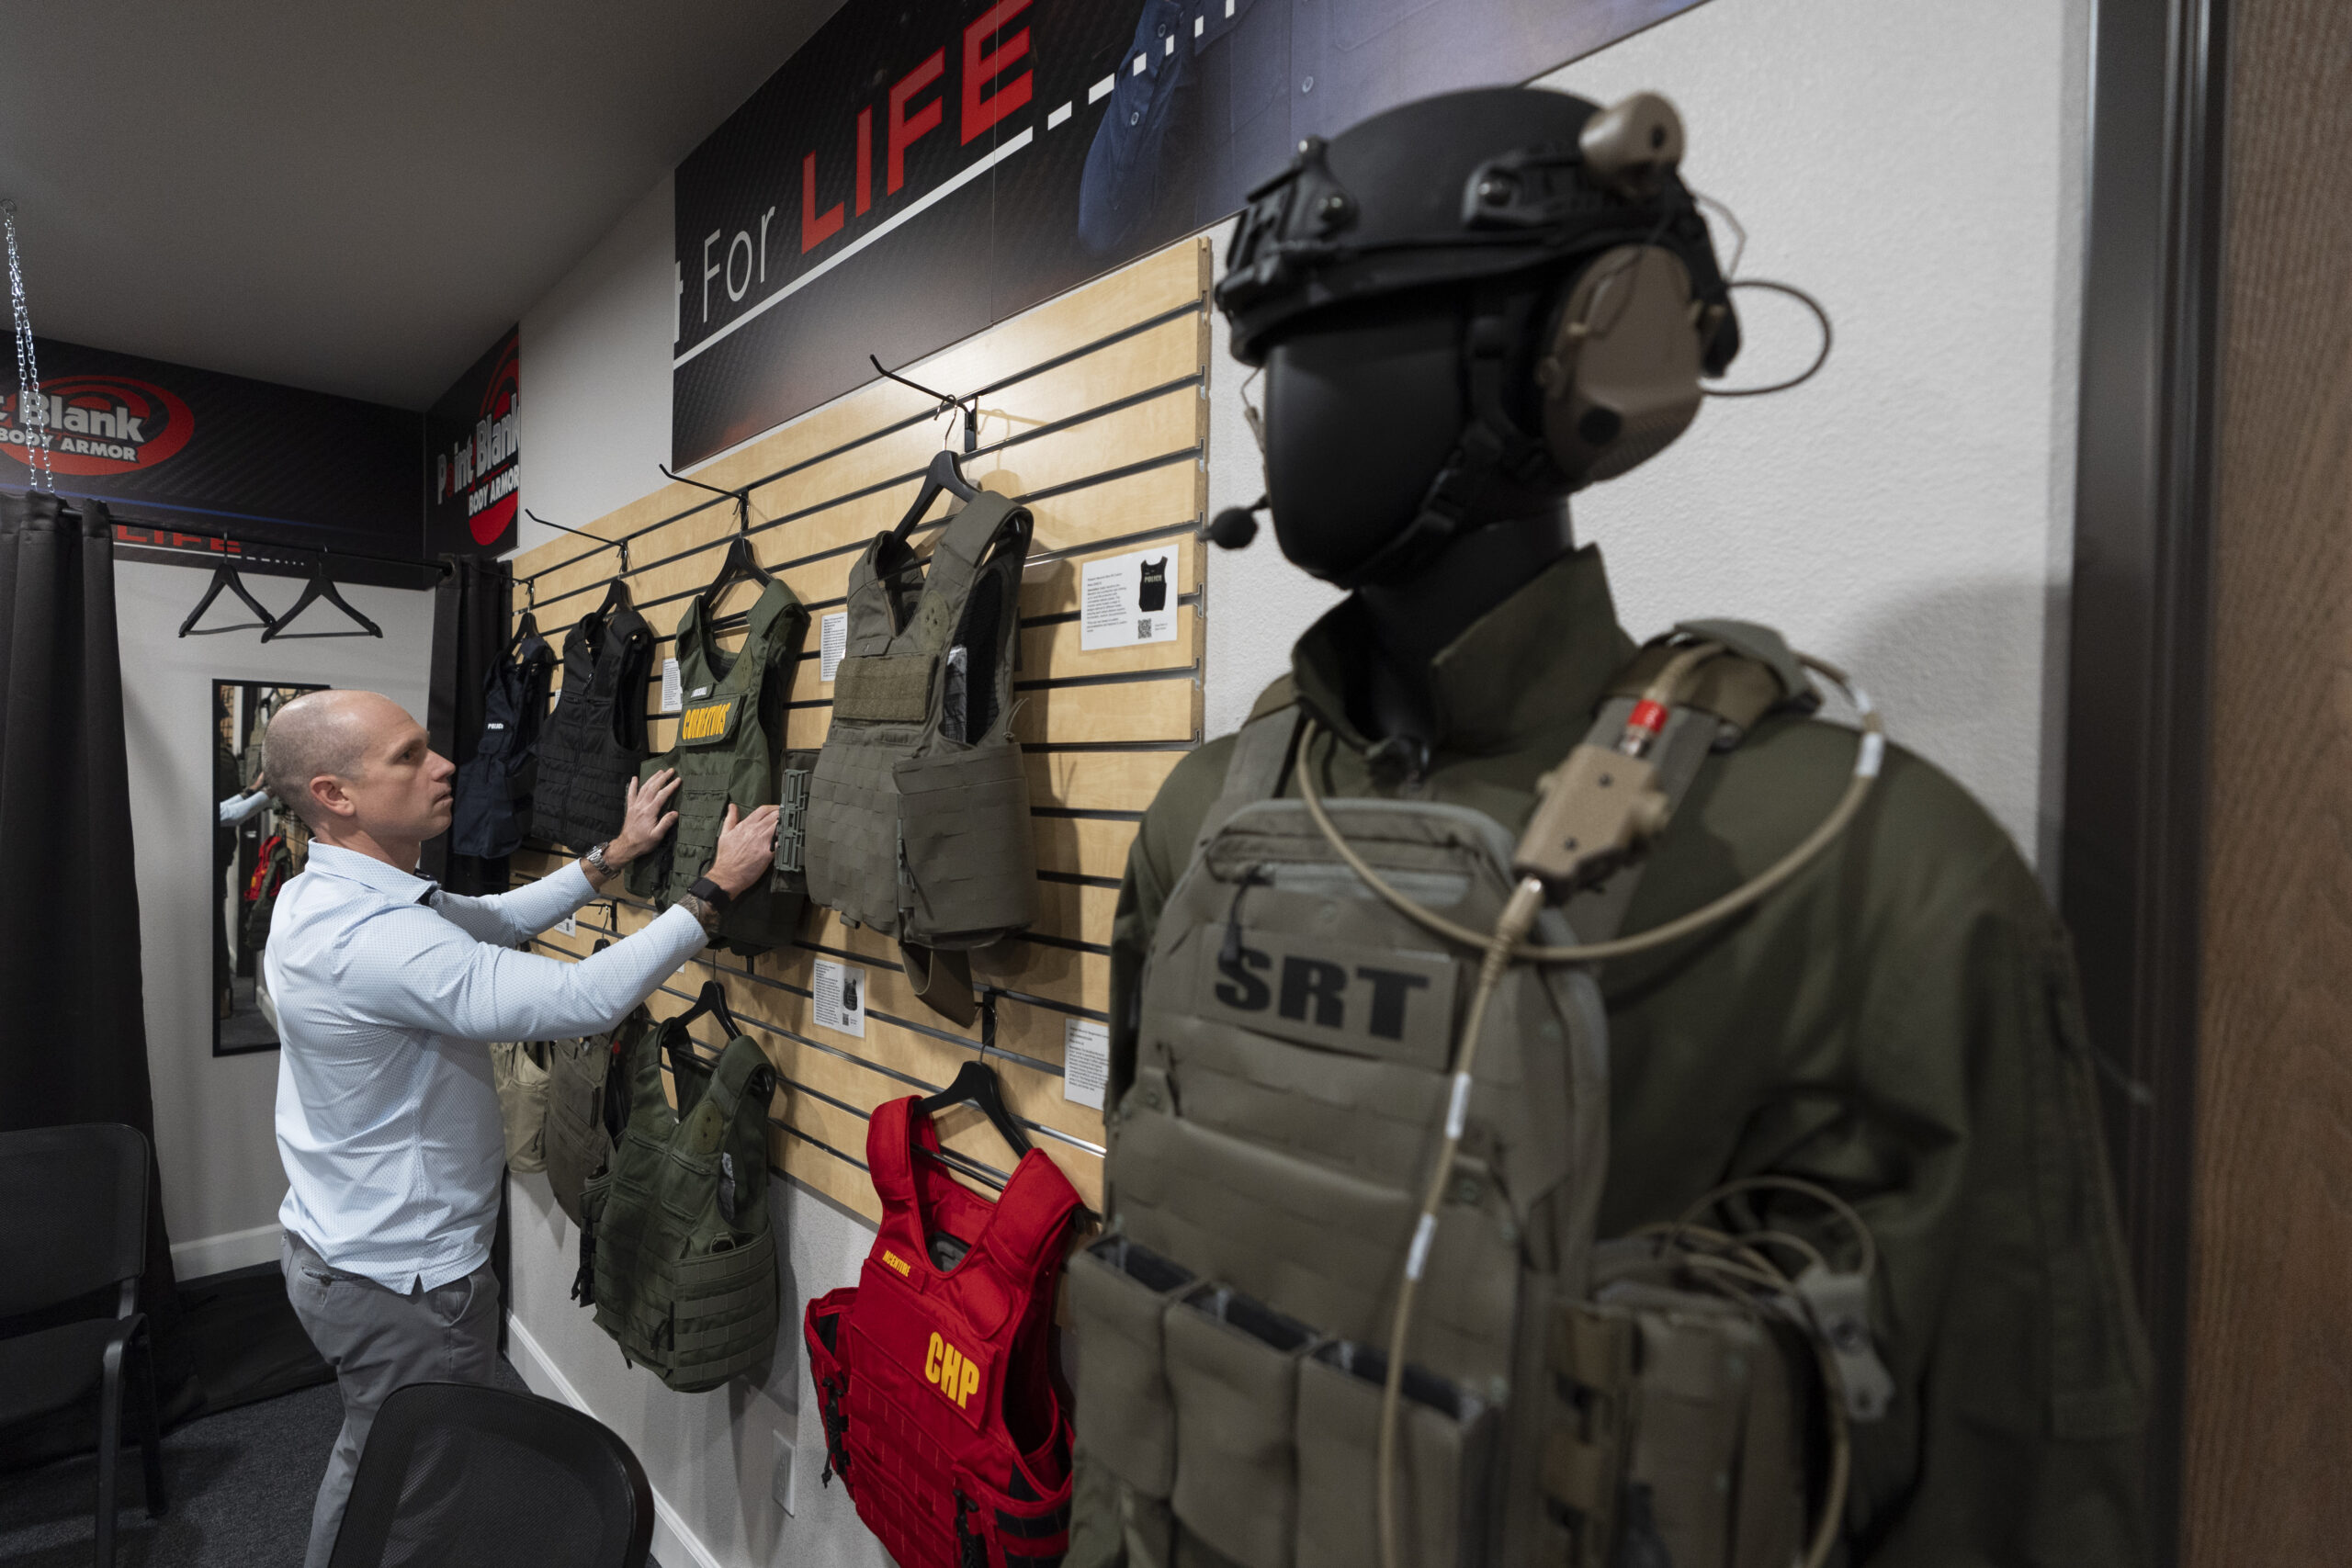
{"x":241,"y":1482}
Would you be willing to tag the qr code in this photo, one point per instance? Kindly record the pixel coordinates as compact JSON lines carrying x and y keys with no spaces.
{"x":1143,"y":630}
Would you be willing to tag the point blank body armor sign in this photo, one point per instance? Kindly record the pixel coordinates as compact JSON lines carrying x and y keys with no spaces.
{"x":1094,"y":419}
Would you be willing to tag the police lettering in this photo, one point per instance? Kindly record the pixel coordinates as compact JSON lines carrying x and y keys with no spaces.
{"x":1315,"y":991}
{"x":949,"y":1373}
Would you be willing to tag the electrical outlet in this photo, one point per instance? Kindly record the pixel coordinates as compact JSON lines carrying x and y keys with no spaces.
{"x":781,"y":1488}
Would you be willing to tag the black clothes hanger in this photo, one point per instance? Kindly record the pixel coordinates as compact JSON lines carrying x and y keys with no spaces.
{"x":711,"y":1002}
{"x":226,"y":576}
{"x":321,"y":587}
{"x":943,"y":474}
{"x":976,"y":1085}
{"x":740,"y":566}
{"x":616,"y":597}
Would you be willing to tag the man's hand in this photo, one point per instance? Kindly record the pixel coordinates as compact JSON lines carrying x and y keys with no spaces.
{"x":746,"y":850}
{"x":644,"y":824}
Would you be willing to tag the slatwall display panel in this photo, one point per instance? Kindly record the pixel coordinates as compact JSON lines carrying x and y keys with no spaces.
{"x":1093,"y":412}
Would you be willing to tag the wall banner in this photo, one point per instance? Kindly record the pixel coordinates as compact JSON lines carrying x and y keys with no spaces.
{"x":920,"y":170}
{"x":473,"y":471}
{"x":166,"y":446}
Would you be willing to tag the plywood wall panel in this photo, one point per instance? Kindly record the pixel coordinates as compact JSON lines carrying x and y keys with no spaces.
{"x":1096,"y":414}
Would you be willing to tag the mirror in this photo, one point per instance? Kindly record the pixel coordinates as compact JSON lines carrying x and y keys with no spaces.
{"x":251,"y":861}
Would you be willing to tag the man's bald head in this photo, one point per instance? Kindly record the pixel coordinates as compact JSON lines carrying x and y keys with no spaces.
{"x":329,"y":734}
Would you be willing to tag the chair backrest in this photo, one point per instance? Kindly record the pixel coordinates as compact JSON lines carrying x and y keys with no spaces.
{"x":463,"y":1476}
{"x":76,"y":1215}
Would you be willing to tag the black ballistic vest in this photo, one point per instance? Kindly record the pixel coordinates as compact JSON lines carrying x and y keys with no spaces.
{"x":594,"y":740}
{"x":493,"y":791}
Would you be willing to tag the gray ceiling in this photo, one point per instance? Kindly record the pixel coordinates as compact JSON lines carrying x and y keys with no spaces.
{"x":355,"y":198}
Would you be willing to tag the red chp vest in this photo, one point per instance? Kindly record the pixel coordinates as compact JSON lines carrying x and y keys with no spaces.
{"x":945,"y":1414}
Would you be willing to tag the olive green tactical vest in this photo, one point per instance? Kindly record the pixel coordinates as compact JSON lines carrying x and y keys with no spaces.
{"x":918,"y":821}
{"x":1294,"y":1054}
{"x":678,"y":1258}
{"x":730,"y":724}
{"x":587,"y":1105}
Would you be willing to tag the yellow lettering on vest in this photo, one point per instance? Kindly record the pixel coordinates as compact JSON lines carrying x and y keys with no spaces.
{"x":702,"y":723}
{"x":895,"y":1262}
{"x":930,"y":1361}
{"x":969,"y":1385}
{"x":950,"y":1368}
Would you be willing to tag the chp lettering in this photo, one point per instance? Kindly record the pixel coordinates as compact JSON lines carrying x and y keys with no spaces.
{"x":948,"y":1370}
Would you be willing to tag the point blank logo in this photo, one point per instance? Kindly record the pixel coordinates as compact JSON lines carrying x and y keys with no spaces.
{"x":101,"y":424}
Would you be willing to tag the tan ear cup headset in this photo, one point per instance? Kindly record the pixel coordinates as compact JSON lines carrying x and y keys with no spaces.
{"x":1622,"y":360}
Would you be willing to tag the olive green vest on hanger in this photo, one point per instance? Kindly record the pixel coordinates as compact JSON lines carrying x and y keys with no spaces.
{"x":677,"y":1257}
{"x":918,"y":821}
{"x":731,"y":727}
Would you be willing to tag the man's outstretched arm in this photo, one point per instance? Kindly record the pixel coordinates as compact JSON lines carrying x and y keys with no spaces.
{"x":518,"y":916}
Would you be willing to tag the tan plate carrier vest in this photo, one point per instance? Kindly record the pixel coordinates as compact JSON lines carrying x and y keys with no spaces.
{"x":676,"y":1254}
{"x":1266,"y":1169}
{"x":918,"y":818}
{"x":731,"y":725}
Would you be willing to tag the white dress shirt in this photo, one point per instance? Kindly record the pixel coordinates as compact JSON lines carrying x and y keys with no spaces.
{"x":388,"y":990}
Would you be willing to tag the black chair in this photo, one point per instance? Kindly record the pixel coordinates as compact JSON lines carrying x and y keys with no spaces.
{"x":75,"y":1223}
{"x":457,"y":1475}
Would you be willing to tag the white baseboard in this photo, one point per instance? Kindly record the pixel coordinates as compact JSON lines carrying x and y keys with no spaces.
{"x":675,"y":1545}
{"x":219,"y":1254}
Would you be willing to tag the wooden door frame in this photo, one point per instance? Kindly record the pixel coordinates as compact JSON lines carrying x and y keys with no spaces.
{"x":2131,"y":856}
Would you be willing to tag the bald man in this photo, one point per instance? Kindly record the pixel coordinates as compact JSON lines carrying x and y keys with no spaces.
{"x":389,"y":991}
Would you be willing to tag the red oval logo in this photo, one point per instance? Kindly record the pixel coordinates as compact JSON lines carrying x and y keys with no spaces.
{"x":102,"y":424}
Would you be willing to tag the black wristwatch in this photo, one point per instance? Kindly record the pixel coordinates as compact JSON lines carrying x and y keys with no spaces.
{"x":712,"y":894}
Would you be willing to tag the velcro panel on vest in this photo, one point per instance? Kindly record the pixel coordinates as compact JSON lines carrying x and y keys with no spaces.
{"x":888,"y":689}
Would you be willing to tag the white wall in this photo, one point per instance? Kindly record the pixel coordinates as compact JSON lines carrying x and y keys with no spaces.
{"x":1917,"y":165}
{"x":214,"y":1136}
{"x":595,"y":383}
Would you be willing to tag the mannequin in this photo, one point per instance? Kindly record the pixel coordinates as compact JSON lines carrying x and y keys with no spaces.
{"x":1361,"y":409}
{"x":1467,"y":309}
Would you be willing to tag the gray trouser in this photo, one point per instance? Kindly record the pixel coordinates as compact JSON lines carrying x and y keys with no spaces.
{"x":377,"y":1340}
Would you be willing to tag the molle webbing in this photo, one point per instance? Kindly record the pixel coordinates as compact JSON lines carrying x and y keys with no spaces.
{"x":729,"y":728}
{"x":678,"y":1252}
{"x":1294,"y":1058}
{"x":592,"y":744}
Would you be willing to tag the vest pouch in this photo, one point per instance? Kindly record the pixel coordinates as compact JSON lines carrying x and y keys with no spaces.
{"x":1233,"y":1377}
{"x":1119,"y":1293}
{"x":970,"y":863}
{"x":1679,"y":1430}
{"x":1447,"y":1441}
{"x":723,"y":1319}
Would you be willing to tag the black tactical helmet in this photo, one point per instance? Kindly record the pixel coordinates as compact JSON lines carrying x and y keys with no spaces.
{"x":1461,"y":187}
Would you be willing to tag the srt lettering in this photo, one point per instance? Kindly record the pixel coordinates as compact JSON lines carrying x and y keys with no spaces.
{"x":1313,"y":990}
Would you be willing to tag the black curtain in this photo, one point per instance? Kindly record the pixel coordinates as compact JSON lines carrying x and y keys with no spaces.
{"x":470,"y":612}
{"x":73,"y":1046}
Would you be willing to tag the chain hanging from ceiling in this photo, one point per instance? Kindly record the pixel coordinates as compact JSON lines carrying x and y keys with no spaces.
{"x":32,"y":409}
